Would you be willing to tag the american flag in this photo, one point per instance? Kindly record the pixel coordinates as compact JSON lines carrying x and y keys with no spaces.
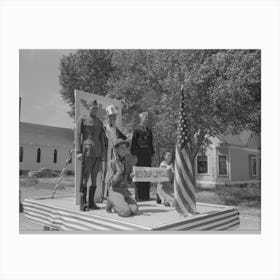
{"x":184,"y":182}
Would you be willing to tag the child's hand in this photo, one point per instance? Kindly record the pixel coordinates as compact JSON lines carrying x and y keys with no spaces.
{"x":132,"y":174}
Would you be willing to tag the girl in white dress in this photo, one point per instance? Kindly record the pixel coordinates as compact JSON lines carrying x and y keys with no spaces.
{"x":165,"y":190}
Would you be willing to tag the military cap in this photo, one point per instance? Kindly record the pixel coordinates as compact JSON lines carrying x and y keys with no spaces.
{"x":121,"y":141}
{"x":111,"y":110}
{"x":92,"y":103}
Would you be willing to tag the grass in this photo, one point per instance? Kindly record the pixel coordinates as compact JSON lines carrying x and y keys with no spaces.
{"x":46,"y":183}
{"x":249,"y":196}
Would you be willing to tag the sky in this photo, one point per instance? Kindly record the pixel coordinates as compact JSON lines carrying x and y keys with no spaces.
{"x":39,"y":88}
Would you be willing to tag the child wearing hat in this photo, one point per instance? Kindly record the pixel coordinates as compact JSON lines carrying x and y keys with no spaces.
{"x":120,"y":198}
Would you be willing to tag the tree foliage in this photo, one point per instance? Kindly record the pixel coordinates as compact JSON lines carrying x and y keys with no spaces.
{"x":86,"y":70}
{"x":222,"y":88}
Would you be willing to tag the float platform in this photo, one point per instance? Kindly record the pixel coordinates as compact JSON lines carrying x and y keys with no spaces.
{"x":61,"y":213}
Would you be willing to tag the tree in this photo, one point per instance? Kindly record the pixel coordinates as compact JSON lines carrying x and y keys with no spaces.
{"x":222,"y":91}
{"x":86,"y":70}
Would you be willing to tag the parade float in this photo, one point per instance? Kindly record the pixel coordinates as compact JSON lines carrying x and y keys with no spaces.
{"x":63,"y":212}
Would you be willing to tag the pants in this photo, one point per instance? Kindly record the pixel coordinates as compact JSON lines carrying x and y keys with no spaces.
{"x":122,"y":202}
{"x":90,"y":167}
{"x":142,"y":189}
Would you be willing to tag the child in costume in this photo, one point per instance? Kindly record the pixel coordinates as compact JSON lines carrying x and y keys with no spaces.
{"x":120,"y":198}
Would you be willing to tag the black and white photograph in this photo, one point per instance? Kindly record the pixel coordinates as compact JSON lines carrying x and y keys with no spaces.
{"x":140,"y":140}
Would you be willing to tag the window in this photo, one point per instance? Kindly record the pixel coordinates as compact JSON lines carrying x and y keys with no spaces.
{"x":21,"y":154}
{"x":223,"y":165}
{"x":253,"y":166}
{"x":202,"y":165}
{"x":55,"y":156}
{"x":38,"y":155}
{"x":70,"y":161}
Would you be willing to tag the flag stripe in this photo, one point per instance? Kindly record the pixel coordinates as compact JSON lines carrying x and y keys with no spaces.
{"x":208,"y":224}
{"x":212,"y":224}
{"x":182,"y":206}
{"x":223,"y":223}
{"x":80,"y":224}
{"x":185,"y":200}
{"x":83,"y":216}
{"x":206,"y":221}
{"x":84,"y":220}
{"x":231,"y":226}
{"x":200,"y":218}
{"x":186,"y":182}
{"x":181,"y":184}
{"x":188,"y":165}
{"x":180,"y":163}
{"x":186,"y":156}
{"x":182,"y":192}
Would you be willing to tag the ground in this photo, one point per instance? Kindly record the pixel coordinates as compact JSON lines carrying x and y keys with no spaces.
{"x":247,"y":200}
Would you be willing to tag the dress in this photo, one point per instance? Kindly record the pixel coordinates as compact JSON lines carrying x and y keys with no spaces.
{"x":165,"y":190}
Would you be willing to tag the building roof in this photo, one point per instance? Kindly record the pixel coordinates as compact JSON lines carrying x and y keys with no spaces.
{"x":246,"y":138}
{"x":38,"y":134}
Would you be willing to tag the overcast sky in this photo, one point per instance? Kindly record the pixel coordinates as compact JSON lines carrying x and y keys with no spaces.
{"x":41,"y":102}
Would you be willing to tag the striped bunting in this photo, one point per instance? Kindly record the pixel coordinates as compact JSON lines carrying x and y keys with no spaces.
{"x":184,"y":186}
{"x":65,"y":219}
{"x":221,"y":220}
{"x":61,"y":218}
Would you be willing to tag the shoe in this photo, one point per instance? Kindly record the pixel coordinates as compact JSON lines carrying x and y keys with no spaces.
{"x":85,"y":207}
{"x":83,"y":204}
{"x":94,"y":206}
{"x":91,"y":203}
{"x":109,"y":206}
{"x":158,"y":200}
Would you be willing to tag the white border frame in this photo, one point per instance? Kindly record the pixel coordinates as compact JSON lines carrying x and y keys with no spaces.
{"x":146,"y":24}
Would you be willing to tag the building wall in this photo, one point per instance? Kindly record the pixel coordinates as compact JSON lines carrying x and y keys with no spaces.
{"x":238,"y":167}
{"x":241,"y":165}
{"x":48,"y":139}
{"x":47,"y":157}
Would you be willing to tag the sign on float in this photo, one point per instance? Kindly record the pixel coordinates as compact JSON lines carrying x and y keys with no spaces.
{"x":150,"y":174}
